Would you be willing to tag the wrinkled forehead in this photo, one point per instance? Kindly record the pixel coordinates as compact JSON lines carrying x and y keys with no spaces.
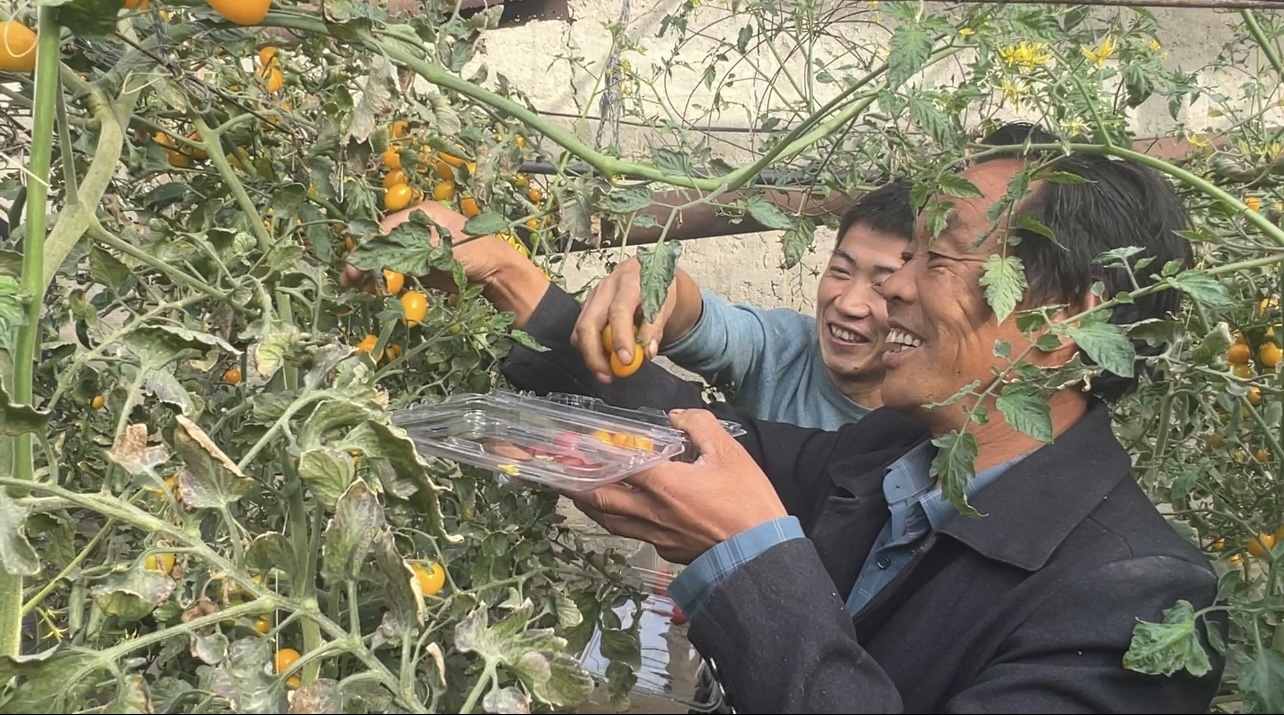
{"x":968,"y":228}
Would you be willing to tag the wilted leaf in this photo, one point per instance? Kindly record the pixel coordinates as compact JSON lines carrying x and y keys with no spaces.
{"x":673,"y":163}
{"x":50,"y":681}
{"x":1169,"y":646}
{"x":320,"y":697}
{"x":167,"y":388}
{"x":445,"y":119}
{"x":158,"y":345}
{"x":211,"y":480}
{"x":402,"y":594}
{"x":245,"y":680}
{"x":17,"y":558}
{"x":132,"y":452}
{"x":107,"y":269}
{"x":210,"y":648}
{"x":131,"y":697}
{"x":376,"y":98}
{"x":796,"y":242}
{"x":351,"y":532}
{"x":328,"y":472}
{"x":568,"y":614}
{"x":506,"y":700}
{"x":381,"y":441}
{"x":269,"y":551}
{"x":659,"y":267}
{"x":324,"y":362}
{"x":1263,"y":680}
{"x":439,"y":661}
{"x":130,"y":595}
{"x":623,"y":200}
{"x":533,"y":654}
{"x":1004,"y":281}
{"x":330,"y":415}
{"x":1026,"y":410}
{"x":270,"y":352}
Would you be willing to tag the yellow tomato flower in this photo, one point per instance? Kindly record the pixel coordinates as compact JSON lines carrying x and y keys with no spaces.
{"x":1026,"y":55}
{"x":1104,"y":51}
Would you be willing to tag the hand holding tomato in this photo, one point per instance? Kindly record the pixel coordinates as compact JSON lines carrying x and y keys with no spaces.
{"x":686,"y":509}
{"x":605,"y":333}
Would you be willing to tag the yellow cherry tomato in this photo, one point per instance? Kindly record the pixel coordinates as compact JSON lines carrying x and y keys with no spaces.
{"x":535,"y":195}
{"x":1243,"y":372}
{"x":242,"y":12}
{"x":415,"y":306}
{"x":232,"y":376}
{"x":431,"y":579}
{"x":273,"y":80}
{"x":1254,"y":395}
{"x":1261,"y":545}
{"x":450,"y":159}
{"x":394,"y":177}
{"x":398,"y":129}
{"x":468,"y":205}
{"x":1253,"y":203}
{"x":368,"y":344}
{"x":1269,"y":355}
{"x":17,"y":47}
{"x":520,"y":141}
{"x":443,"y":170}
{"x":445,"y":191}
{"x":263,"y":625}
{"x":521,"y":181}
{"x":285,"y":658}
{"x":98,"y":402}
{"x":1238,"y":354}
{"x":391,"y":158}
{"x":163,"y":562}
{"x":393,"y":352}
{"x":620,"y":369}
{"x":398,"y":197}
{"x":394,"y":280}
{"x":267,"y":55}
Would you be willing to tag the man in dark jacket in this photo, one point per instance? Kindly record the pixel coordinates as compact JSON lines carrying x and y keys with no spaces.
{"x":827,"y":573}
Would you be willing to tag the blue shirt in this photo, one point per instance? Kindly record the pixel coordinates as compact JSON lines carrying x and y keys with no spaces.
{"x":770,"y":358}
{"x":916,"y":507}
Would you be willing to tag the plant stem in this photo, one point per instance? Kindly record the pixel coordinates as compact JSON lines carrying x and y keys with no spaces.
{"x":84,"y":553}
{"x":70,"y":183}
{"x":212,"y":142}
{"x":486,"y":677}
{"x":1250,"y":21}
{"x":100,"y":234}
{"x":33,"y":269}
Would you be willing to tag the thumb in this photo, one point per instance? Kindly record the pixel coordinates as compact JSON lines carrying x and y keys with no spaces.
{"x":707,"y":434}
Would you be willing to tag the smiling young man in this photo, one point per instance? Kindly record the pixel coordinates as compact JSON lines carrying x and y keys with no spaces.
{"x":826,"y":571}
{"x":822,"y":370}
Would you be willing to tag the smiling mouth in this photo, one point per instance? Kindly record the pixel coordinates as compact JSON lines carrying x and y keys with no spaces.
{"x":843,"y":335}
{"x":900,"y":341}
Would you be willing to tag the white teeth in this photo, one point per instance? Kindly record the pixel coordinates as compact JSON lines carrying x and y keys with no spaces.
{"x":843,"y":334}
{"x":902,"y":340}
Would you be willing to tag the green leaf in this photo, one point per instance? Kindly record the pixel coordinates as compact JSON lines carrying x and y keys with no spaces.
{"x":131,"y":595}
{"x":107,"y":269}
{"x":407,"y":249}
{"x":133,"y":453}
{"x":17,"y":558}
{"x":245,"y":679}
{"x":54,"y":680}
{"x":908,"y":52}
{"x":673,"y":163}
{"x":1168,"y":647}
{"x":1106,"y":345}
{"x":1027,"y":410}
{"x":376,"y":99}
{"x":270,"y":351}
{"x":623,"y":200}
{"x":403,"y":597}
{"x":211,"y":480}
{"x":445,"y":118}
{"x":659,"y":269}
{"x":159,"y":345}
{"x":1060,"y":177}
{"x":1263,"y":681}
{"x":210,"y":648}
{"x":535,"y":655}
{"x":87,"y":18}
{"x":1004,"y":282}
{"x":485,"y":223}
{"x":955,"y":185}
{"x":132,"y":696}
{"x":328,"y":472}
{"x":16,"y":419}
{"x":271,"y":550}
{"x":796,"y":242}
{"x":288,"y":200}
{"x":167,"y":388}
{"x":1204,"y":289}
{"x":1025,"y":222}
{"x":328,"y":416}
{"x":768,"y":214}
{"x":351,"y":532}
{"x":954,"y":464}
{"x":932,"y":121}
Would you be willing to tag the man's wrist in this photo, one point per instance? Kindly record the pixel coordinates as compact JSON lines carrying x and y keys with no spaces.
{"x":514,"y":285}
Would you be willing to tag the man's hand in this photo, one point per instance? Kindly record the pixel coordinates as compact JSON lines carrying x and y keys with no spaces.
{"x":617,"y":302}
{"x":686,"y":509}
{"x":481,"y":257}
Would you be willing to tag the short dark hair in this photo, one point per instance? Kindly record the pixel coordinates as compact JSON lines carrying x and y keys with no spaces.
{"x":1121,"y":203}
{"x":885,"y":209}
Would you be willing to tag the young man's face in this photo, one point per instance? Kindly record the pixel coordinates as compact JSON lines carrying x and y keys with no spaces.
{"x":851,"y":316}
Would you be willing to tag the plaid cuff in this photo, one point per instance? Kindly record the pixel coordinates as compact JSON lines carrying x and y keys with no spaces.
{"x":692,"y":587}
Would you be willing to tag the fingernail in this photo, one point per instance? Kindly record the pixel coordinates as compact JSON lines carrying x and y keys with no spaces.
{"x":625,"y":356}
{"x":653,"y":348}
{"x":677,"y":411}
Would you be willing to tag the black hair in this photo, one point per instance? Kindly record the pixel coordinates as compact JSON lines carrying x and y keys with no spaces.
{"x":885,"y":209}
{"x":1121,"y":203}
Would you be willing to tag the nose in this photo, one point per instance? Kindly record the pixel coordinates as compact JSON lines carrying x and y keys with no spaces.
{"x":856,"y":300}
{"x":899,"y":286}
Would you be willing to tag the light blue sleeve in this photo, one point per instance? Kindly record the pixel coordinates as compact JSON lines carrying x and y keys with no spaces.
{"x":692,"y":587}
{"x":741,"y":345}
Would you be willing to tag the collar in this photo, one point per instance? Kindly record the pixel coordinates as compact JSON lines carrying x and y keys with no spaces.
{"x":1032,"y":507}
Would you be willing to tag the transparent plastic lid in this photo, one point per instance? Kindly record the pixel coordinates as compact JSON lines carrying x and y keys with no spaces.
{"x":567,"y":447}
{"x":672,"y":676}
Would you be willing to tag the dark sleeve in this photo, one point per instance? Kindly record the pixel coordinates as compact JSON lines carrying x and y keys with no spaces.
{"x":797,"y":456}
{"x":782,"y":642}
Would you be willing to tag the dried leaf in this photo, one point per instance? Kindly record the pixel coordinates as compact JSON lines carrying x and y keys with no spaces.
{"x":132,"y":452}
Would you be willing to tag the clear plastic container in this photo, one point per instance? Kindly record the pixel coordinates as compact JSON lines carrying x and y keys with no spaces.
{"x":672,"y":677}
{"x":567,"y":447}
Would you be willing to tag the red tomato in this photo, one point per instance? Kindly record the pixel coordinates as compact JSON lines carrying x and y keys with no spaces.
{"x":679,"y":618}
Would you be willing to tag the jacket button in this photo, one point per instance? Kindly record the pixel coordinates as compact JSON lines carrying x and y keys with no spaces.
{"x":884,"y":561}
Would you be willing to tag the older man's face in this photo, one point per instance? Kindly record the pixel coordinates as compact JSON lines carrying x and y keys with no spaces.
{"x":942,"y":330}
